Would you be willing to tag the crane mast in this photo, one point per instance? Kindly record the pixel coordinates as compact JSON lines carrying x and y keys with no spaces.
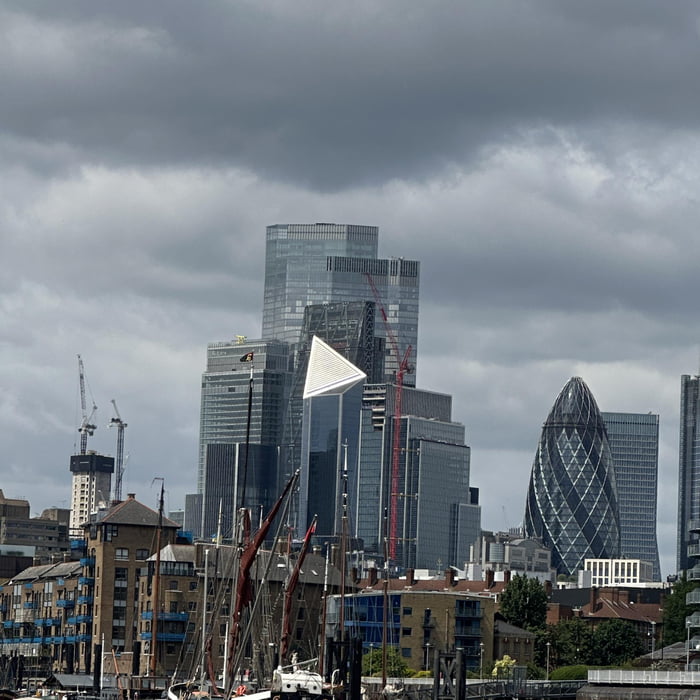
{"x":403,"y":366}
{"x":87,"y":427}
{"x":119,"y":424}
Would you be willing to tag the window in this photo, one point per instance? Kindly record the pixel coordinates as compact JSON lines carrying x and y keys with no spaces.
{"x":408,"y":611}
{"x":173,"y":606}
{"x":193,"y":585}
{"x":406,"y":631}
{"x":121,"y":553}
{"x":406,"y":652}
{"x":172,"y":585}
{"x":110,"y":532}
{"x":142,"y":554}
{"x":192,"y":605}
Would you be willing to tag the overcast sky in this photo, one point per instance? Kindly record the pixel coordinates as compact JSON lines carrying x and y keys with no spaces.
{"x":539,"y":158}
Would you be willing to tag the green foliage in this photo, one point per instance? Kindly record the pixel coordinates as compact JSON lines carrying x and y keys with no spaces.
{"x":396,"y":666}
{"x":523,"y":603}
{"x":570,"y":673}
{"x":615,"y":642}
{"x":571,"y":643}
{"x":675,"y":611}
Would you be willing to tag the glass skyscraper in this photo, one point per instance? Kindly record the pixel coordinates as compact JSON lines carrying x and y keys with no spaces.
{"x":437,"y":520}
{"x":572,"y":503}
{"x":688,"y":537}
{"x":634,"y":441}
{"x":309,"y":264}
{"x":224,"y":421}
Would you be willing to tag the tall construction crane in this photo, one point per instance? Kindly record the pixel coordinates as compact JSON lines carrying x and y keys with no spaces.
{"x":403,"y":366}
{"x":119,"y":424}
{"x":87,"y":427}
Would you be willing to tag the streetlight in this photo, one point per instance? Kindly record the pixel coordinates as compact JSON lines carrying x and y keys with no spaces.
{"x":548,"y":646}
{"x":687,"y":645}
{"x":653,"y":639}
{"x":481,"y":661}
{"x":427,"y":656}
{"x":371,"y":650}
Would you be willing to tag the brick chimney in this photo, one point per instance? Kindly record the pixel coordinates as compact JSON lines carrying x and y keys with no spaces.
{"x":372,"y":576}
{"x":489,"y":578}
{"x":410,"y":577}
{"x":593,"y":598}
{"x":449,"y":577}
{"x":506,"y":577}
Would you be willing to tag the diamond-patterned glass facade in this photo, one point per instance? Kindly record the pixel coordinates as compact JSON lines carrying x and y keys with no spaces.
{"x":572,"y":499}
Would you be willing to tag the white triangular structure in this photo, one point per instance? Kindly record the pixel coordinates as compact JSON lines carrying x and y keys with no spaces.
{"x":328,"y":372}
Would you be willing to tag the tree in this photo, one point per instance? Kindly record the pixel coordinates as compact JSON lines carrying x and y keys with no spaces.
{"x":571,"y":643}
{"x":523,"y":603}
{"x":675,"y":611}
{"x":615,"y":642}
{"x":396,"y":666}
{"x":502,"y":667}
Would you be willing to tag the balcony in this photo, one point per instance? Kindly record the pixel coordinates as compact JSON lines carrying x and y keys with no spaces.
{"x":65,"y":603}
{"x":87,"y":561}
{"x":83,"y":618}
{"x":693,"y":526}
{"x":166,"y":616}
{"x":164,"y":636}
{"x":29,"y":605}
{"x":84,"y":600}
{"x":83,"y":638}
{"x":7,"y":624}
{"x":86,"y":581}
{"x":694,"y":549}
{"x":693,"y":574}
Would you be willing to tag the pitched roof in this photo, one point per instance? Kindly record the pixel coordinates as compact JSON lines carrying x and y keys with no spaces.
{"x":63,"y":569}
{"x":132,"y":512}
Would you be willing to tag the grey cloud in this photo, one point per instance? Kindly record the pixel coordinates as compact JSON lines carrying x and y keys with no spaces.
{"x":318,"y":96}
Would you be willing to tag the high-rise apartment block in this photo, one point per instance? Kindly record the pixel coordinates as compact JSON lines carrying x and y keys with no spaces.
{"x":91,"y":487}
{"x":634,"y":442}
{"x":572,"y":497}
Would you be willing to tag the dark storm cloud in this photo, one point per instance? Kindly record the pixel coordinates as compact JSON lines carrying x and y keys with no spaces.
{"x":335,"y":94}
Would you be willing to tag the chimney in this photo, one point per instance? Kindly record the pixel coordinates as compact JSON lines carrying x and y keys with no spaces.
{"x":66,"y":556}
{"x":548,"y":589}
{"x":506,"y":577}
{"x":449,"y":577}
{"x":489,"y":578}
{"x":131,"y":496}
{"x":355,"y":577}
{"x":593,"y":598}
{"x":410,"y":577}
{"x":372,"y":576}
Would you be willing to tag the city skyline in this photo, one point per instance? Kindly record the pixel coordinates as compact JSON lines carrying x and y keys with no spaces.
{"x":541,"y":166}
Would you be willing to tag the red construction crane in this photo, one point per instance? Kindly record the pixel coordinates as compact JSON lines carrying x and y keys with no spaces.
{"x":403,"y":366}
{"x":87,"y":427}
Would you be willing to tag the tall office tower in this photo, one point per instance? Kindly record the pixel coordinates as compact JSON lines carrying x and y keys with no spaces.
{"x":226,"y":398}
{"x":634,"y":441}
{"x":92,"y":483}
{"x":329,"y":437}
{"x":309,"y":264}
{"x":437,"y":518}
{"x":347,"y":327}
{"x":688,"y":536}
{"x":572,"y":503}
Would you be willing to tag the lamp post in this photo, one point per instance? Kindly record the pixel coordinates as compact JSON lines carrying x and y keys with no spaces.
{"x":481,"y":661}
{"x":427,"y":656}
{"x":548,"y":646}
{"x":687,"y":645}
{"x":653,"y":639}
{"x":371,"y":651}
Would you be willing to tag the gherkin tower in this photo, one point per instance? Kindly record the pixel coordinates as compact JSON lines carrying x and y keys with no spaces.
{"x":572,"y":503}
